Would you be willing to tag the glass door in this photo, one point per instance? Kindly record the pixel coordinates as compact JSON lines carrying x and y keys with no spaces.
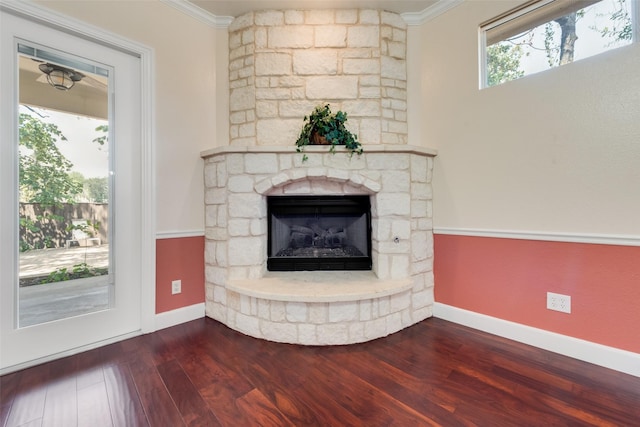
{"x":65,"y":266}
{"x":70,"y":187}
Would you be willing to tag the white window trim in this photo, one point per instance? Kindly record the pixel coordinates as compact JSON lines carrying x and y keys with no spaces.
{"x":541,"y":12}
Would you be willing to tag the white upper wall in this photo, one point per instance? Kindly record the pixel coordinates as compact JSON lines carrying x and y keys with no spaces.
{"x":186,"y":89}
{"x":553,"y":152}
{"x":556,"y":152}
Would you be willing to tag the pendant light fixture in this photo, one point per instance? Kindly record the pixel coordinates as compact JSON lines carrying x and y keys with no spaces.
{"x":60,"y":77}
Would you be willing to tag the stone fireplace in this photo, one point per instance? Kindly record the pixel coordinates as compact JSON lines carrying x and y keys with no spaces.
{"x":283,"y":64}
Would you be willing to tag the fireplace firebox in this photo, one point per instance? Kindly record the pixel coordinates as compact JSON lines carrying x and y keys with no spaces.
{"x":319,"y":233}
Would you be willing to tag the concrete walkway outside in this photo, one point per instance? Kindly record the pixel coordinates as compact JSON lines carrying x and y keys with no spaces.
{"x":43,"y":261}
{"x":54,"y":301}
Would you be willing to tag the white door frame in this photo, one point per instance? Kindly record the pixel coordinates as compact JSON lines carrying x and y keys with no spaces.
{"x":80,"y":29}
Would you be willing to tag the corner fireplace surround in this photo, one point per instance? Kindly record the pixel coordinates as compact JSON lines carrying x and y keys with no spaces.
{"x":318,"y":307}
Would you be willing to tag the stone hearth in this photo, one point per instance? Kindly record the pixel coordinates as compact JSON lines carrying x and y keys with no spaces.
{"x":318,"y":308}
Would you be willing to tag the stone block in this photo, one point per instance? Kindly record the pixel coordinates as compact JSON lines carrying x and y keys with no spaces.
{"x":291,"y":81}
{"x":369,"y":131}
{"x":334,"y":36}
{"x":307,"y":334}
{"x":278,"y":312}
{"x":215,"y":275}
{"x":240,"y":184}
{"x":369,"y":17}
{"x":260,"y":38}
{"x":269,"y":18}
{"x":397,"y":50}
{"x":393,"y":68}
{"x":279,"y":332}
{"x":296,"y":312}
{"x":361,"y":108}
{"x":210,"y":176}
{"x":399,"y":302}
{"x":245,"y":205}
{"x":247,"y":129}
{"x":361,"y":66}
{"x":318,"y":313}
{"x":299,"y":187}
{"x":296,"y":109}
{"x":375,"y":328}
{"x":239,"y":227}
{"x":258,"y":227}
{"x":365,"y":310}
{"x":267,"y":109}
{"x":396,"y":181}
{"x":209,"y":252}
{"x":235,"y":40}
{"x":242,"y":21}
{"x":273,"y":93}
{"x":394,"y":204}
{"x":340,"y":87}
{"x":264,"y":309}
{"x":393,"y":19}
{"x":315,"y":62}
{"x":242,"y":99}
{"x":389,"y":162}
{"x":290,"y":37}
{"x":400,"y":266}
{"x":273,"y":64}
{"x":346,"y":16}
{"x":394,"y":322}
{"x":343,"y":311}
{"x":319,"y":17}
{"x":363,"y":36}
{"x":278,"y":132}
{"x":369,"y":92}
{"x":422,"y":299}
{"x":293,"y":17}
{"x":401,"y":229}
{"x":332,"y":334}
{"x":419,"y":168}
{"x":421,"y":191}
{"x":246,"y":251}
{"x":261,"y":163}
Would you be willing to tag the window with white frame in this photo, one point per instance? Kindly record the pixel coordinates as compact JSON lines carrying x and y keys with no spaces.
{"x":544,"y":34}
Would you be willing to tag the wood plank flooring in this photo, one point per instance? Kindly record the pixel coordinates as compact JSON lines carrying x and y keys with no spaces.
{"x":435,"y":373}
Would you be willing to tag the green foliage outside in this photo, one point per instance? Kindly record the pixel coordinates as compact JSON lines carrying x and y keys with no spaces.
{"x":78,"y":271}
{"x":504,"y":58}
{"x":96,"y":190}
{"x":503,"y":63}
{"x":44,"y":170}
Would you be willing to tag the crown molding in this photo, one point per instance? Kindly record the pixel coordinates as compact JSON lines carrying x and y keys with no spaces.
{"x":221,"y":22}
{"x":432,"y":12}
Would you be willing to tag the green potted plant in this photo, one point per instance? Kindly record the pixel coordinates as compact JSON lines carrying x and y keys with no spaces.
{"x":324,"y":127}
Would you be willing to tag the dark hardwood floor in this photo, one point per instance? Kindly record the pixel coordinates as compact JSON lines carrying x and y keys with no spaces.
{"x":204,"y":374}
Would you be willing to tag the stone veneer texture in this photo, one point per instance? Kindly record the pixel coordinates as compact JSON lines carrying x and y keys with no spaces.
{"x":237,"y":182}
{"x":282,"y":64}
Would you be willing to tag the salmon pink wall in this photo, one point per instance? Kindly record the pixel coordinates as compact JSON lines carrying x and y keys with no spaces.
{"x":179,"y":259}
{"x":509,"y":279}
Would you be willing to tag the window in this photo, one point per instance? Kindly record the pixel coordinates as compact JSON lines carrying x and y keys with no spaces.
{"x":544,"y":34}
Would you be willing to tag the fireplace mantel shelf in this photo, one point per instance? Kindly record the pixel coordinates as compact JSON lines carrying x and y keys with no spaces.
{"x":374,"y":148}
{"x":319,"y":286}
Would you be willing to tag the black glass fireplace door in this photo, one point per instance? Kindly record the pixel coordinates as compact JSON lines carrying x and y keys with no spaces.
{"x":319,"y":233}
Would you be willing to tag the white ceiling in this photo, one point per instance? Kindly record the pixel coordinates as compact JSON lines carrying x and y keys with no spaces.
{"x":239,"y":7}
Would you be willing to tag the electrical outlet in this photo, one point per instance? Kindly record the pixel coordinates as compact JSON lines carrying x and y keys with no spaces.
{"x":559,"y":302}
{"x":176,"y":287}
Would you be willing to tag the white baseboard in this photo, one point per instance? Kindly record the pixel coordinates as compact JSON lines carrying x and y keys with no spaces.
{"x":179,"y":315}
{"x":598,"y":354}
